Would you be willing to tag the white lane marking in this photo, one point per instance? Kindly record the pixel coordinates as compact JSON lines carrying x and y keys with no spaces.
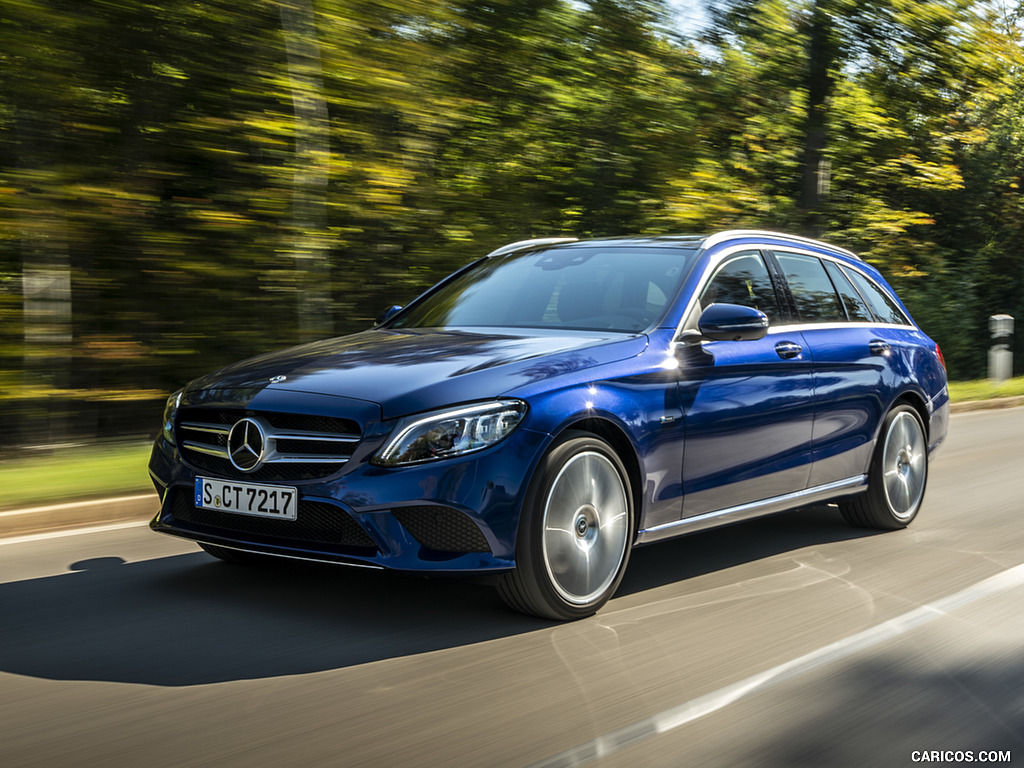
{"x":80,"y":504}
{"x":71,"y":532}
{"x":675,"y":717}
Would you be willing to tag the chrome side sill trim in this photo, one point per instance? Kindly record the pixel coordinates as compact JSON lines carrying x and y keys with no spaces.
{"x":753,"y":509}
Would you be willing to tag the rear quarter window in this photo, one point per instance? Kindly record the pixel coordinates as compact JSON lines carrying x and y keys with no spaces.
{"x":885,"y":309}
{"x":856,"y":308}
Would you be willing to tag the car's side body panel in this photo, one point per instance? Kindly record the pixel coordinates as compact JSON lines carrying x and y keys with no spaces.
{"x":853,"y":388}
{"x":749,"y":415}
{"x":636,"y":397}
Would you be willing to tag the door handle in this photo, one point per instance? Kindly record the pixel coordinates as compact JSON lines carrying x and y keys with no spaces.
{"x":787,"y":350}
{"x":879,"y":347}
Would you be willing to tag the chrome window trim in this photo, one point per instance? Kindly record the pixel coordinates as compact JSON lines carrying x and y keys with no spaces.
{"x":856,"y":268}
{"x":788,"y":501}
{"x":837,"y":325}
{"x":795,"y":248}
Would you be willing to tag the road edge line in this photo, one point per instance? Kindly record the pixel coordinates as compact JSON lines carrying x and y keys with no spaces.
{"x":29,"y":538}
{"x":675,"y":717}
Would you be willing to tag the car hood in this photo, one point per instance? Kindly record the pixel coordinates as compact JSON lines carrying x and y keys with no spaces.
{"x":416,"y":370}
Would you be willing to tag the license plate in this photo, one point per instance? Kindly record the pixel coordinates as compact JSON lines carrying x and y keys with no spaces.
{"x":247,"y":498}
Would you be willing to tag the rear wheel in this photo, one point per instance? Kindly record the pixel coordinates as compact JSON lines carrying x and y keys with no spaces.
{"x":575,"y":532}
{"x":897,"y":477}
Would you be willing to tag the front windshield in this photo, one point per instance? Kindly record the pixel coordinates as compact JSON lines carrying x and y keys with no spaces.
{"x":581,"y":287}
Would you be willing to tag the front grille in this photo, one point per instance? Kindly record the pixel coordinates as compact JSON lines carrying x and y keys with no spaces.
{"x":442,"y":529}
{"x":282,"y":473}
{"x":298,"y":446}
{"x":316,"y":522}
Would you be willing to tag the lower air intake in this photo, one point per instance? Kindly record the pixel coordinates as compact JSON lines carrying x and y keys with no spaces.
{"x":442,"y":529}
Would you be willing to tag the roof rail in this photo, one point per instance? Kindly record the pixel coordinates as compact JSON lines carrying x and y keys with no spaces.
{"x":731,"y":234}
{"x":527,"y":243}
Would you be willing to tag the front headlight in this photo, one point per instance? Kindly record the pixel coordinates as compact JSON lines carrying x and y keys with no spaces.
{"x":452,"y":432}
{"x":170,"y":411}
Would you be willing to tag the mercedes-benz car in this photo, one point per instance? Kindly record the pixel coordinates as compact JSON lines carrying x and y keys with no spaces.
{"x":547,"y":408}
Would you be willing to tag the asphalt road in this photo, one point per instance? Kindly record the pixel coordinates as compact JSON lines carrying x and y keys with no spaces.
{"x":789,"y":641}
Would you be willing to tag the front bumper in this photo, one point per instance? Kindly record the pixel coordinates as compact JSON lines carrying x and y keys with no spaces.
{"x":453,"y":516}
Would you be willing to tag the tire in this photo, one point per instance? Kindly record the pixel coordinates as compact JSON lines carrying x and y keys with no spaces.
{"x":575,"y":532}
{"x":897,"y":476}
{"x":235,"y":556}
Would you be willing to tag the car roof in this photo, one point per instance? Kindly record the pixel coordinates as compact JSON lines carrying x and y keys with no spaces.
{"x":702,"y":242}
{"x":768,"y":237}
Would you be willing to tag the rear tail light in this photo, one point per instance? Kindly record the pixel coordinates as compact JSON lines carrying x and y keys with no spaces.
{"x":941,"y":358}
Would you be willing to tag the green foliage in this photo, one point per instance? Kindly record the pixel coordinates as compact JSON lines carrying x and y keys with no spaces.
{"x":74,"y":473}
{"x":918,"y":96}
{"x":214,"y":180}
{"x":985,"y":389}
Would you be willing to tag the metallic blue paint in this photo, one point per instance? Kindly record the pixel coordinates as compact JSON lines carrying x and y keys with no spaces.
{"x":703,"y":427}
{"x":418,"y":370}
{"x":749,"y":419}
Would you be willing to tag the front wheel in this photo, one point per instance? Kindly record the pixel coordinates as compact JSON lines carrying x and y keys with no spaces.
{"x":897,"y":477}
{"x":575,"y":532}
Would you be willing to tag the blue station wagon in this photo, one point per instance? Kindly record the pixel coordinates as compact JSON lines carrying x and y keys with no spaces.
{"x":547,"y":408}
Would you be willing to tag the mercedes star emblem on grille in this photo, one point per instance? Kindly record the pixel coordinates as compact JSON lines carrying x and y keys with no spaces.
{"x":247,"y":444}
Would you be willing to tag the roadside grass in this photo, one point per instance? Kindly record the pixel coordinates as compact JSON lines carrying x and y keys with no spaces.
{"x":83,"y":472}
{"x":984,"y":389}
{"x":119,"y":469}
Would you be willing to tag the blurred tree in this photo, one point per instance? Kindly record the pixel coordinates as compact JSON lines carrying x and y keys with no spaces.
{"x":748,"y":132}
{"x":572,"y":118}
{"x":878,"y":107}
{"x":186,"y":182}
{"x":311,"y":165}
{"x":978,"y":270}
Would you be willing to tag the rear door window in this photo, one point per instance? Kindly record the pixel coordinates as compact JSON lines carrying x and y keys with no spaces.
{"x":815,"y":296}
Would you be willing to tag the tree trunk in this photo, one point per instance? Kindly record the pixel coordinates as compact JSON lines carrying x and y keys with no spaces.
{"x":307,"y":228}
{"x":45,"y":273}
{"x":814,"y":166}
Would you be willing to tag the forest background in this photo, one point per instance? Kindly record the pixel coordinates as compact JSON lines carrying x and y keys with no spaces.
{"x":184,"y":183}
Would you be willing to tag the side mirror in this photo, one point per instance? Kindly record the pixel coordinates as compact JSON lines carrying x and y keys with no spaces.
{"x":386,"y":315}
{"x":732,"y":322}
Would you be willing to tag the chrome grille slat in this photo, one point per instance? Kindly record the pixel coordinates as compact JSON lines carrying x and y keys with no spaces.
{"x":214,"y":429}
{"x":312,"y":436}
{"x":291,"y":452}
{"x":209,"y":450}
{"x":311,"y":458}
